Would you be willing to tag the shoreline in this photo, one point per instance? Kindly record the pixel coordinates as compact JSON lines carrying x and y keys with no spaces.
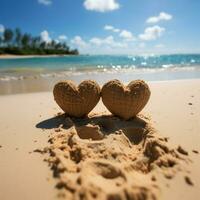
{"x":30,"y":178}
{"x":11,"y":56}
{"x":45,"y":84}
{"x":125,"y":83}
{"x":148,"y":54}
{"x":21,"y":74}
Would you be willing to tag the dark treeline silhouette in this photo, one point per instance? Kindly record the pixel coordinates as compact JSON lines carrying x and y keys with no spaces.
{"x":18,"y":43}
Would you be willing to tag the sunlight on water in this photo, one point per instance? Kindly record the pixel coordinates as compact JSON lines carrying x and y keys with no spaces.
{"x":45,"y":67}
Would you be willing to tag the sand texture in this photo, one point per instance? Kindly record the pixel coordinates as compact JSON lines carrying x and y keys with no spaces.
{"x":104,"y":157}
{"x":77,"y":101}
{"x":9,"y":56}
{"x":125,"y":101}
{"x":153,"y":156}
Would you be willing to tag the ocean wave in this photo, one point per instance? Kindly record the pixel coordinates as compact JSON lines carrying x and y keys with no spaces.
{"x":168,"y":66}
{"x":100,"y":69}
{"x":10,"y":78}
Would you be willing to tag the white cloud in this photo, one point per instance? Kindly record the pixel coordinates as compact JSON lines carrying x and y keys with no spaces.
{"x":162,"y":16}
{"x":111,"y":28}
{"x":102,"y":41}
{"x":126,"y":35}
{"x":101,"y":5}
{"x":96,"y":41}
{"x":1,"y":28}
{"x":45,"y":2}
{"x":152,"y":33}
{"x":160,"y":46}
{"x":62,"y":37}
{"x":142,"y":45}
{"x":44,"y":35}
{"x":78,"y":41}
{"x":108,"y":41}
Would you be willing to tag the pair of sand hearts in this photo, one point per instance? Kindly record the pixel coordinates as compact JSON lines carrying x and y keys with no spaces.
{"x":123,"y":101}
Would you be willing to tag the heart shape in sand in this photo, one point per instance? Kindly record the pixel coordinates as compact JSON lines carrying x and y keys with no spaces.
{"x":125,"y":101}
{"x":77,"y":101}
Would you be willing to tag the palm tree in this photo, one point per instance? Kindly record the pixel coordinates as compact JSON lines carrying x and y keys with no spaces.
{"x":65,"y":46}
{"x":26,"y":38}
{"x":1,"y":41}
{"x":75,"y":52}
{"x":18,"y":37}
{"x":18,"y":43}
{"x":35,"y":42}
{"x":58,"y":46}
{"x":53,"y":44}
{"x":8,"y":36}
{"x":48,"y":45}
{"x":43,"y":45}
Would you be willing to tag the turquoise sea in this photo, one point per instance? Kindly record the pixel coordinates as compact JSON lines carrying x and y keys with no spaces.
{"x":84,"y":64}
{"x":99,"y":67}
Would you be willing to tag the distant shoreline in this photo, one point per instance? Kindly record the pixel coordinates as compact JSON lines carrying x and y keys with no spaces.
{"x":8,"y":56}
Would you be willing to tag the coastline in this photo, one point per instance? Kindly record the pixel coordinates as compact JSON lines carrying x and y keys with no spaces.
{"x":36,"y":73}
{"x":174,"y":109}
{"x":11,"y":56}
{"x":30,"y":80}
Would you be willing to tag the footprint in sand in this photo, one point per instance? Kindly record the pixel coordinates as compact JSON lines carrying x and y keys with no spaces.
{"x":104,"y":157}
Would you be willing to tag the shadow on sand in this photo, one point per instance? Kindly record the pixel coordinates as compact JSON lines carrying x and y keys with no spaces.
{"x":97,"y":127}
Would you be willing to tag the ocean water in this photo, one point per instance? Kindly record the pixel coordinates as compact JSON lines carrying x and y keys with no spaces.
{"x":126,"y":67}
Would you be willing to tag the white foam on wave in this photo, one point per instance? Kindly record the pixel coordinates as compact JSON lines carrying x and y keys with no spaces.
{"x":167,"y":66}
{"x":9,"y":78}
{"x":115,"y":69}
{"x":143,"y":63}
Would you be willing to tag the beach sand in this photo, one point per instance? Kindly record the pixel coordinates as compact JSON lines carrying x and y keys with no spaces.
{"x":8,"y":56}
{"x":93,"y":157}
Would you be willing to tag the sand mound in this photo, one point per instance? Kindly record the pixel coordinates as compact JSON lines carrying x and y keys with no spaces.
{"x":77,"y":101}
{"x":125,"y":101}
{"x":103,"y":157}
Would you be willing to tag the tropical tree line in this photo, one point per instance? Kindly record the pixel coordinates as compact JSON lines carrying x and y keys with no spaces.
{"x":18,"y":43}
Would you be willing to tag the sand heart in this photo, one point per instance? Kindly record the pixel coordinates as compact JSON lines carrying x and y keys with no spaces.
{"x":77,"y":101}
{"x":125,"y":101}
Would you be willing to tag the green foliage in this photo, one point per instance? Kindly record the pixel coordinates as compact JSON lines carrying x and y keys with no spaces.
{"x":1,"y":41}
{"x":17,"y":43}
{"x":18,"y":36}
{"x":26,"y":38}
{"x":8,"y":35}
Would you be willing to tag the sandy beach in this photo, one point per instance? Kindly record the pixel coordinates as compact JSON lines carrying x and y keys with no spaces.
{"x":96,"y":106}
{"x":10,"y":56}
{"x":28,"y":121}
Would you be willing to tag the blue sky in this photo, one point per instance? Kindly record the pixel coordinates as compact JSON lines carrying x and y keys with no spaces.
{"x":109,"y":26}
